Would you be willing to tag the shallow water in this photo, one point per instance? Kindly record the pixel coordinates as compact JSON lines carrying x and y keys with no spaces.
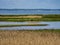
{"x":51,"y":25}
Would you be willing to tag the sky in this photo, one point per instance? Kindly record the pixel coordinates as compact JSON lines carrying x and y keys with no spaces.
{"x":30,"y":4}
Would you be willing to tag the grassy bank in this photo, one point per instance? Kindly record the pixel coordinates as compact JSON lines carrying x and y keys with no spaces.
{"x":40,"y":37}
{"x":24,"y":25}
{"x":36,"y":17}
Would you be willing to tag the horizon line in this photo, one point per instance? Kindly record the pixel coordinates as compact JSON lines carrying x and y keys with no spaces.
{"x":13,"y":8}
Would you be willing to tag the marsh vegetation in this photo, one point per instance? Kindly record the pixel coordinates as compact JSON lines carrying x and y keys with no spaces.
{"x":36,"y":17}
{"x":39,"y":37}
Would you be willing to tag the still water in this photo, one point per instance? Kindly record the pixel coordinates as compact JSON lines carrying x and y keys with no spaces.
{"x":29,"y":11}
{"x":51,"y":25}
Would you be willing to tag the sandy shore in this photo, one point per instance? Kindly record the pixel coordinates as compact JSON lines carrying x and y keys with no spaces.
{"x":29,"y":38}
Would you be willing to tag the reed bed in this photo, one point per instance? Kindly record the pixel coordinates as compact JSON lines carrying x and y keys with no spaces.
{"x":40,"y":37}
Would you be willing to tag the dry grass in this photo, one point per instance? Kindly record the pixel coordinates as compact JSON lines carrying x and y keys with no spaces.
{"x":29,"y":38}
{"x":21,"y":16}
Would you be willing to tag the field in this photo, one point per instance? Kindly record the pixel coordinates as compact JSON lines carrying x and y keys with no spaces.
{"x":38,"y":37}
{"x":36,"y":17}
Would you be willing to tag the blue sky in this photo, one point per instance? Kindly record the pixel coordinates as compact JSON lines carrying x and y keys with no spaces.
{"x":30,"y":4}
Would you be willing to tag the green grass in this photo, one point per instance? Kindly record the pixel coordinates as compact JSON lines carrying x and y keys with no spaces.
{"x":39,"y":30}
{"x":29,"y":19}
{"x":15,"y":18}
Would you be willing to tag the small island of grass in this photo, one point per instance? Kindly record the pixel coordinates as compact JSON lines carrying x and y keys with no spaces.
{"x":36,"y":17}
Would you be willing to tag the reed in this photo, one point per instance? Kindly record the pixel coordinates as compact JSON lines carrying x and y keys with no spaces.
{"x":42,"y":37}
